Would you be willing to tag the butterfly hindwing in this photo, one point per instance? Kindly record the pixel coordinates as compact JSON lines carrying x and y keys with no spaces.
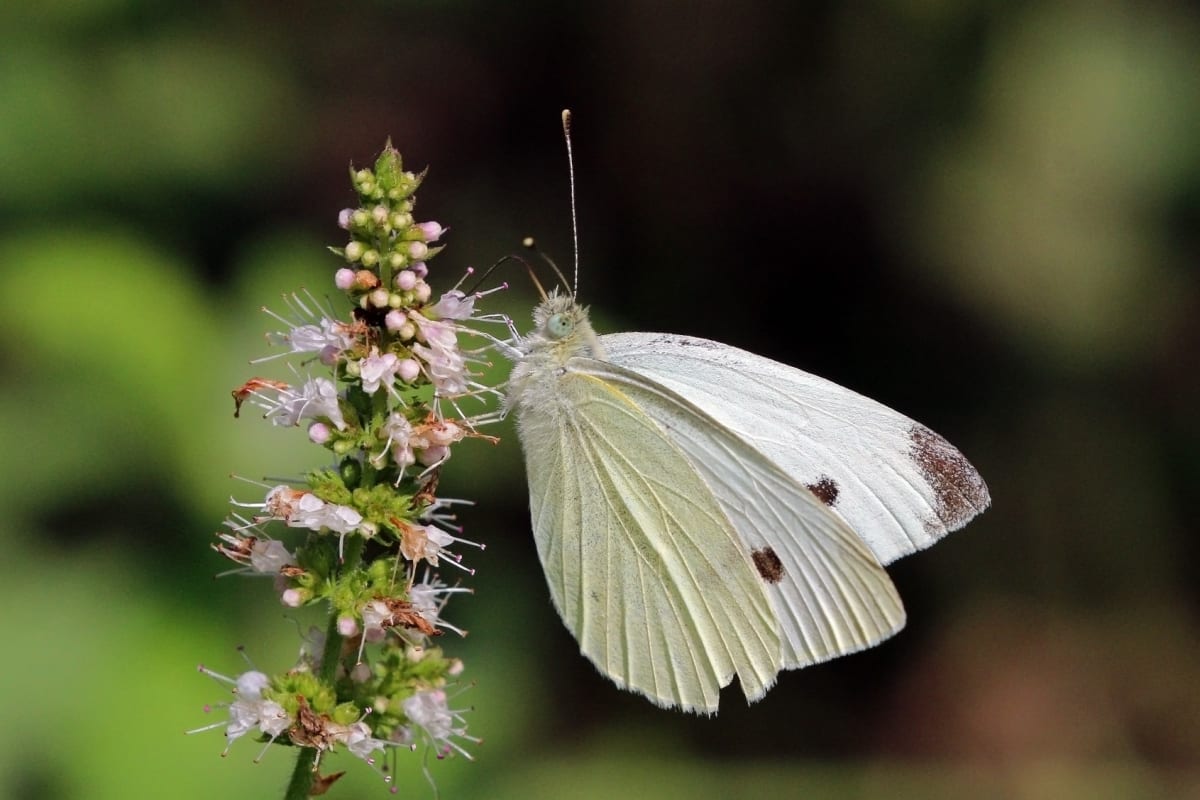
{"x":643,"y":564}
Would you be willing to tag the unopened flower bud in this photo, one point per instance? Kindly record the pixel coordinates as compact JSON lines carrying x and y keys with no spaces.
{"x":422,"y":292}
{"x":344,"y":218}
{"x":418,"y":250}
{"x":354,"y":251}
{"x":430,"y":231}
{"x":406,"y":280}
{"x":408,"y":369}
{"x":343,"y":278}
{"x":319,"y":433}
{"x":379,"y":298}
{"x":395,"y":320}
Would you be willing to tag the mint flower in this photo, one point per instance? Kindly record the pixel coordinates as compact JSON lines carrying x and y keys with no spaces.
{"x":431,"y":714}
{"x":386,"y":415}
{"x":316,"y":399}
{"x":378,"y":370}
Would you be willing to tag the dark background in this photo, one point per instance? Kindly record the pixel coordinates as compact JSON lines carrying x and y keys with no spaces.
{"x":982,"y":214}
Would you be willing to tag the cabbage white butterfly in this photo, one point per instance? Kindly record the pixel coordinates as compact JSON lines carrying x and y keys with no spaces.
{"x":702,"y":512}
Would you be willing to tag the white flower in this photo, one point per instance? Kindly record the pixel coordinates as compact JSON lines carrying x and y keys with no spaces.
{"x":399,"y":437}
{"x":256,"y":553}
{"x":447,"y":367}
{"x":301,"y":509}
{"x":270,"y":556}
{"x":358,"y":740}
{"x":316,"y":399}
{"x":430,"y":712}
{"x":425,"y":542}
{"x":315,"y":337}
{"x":430,"y":597}
{"x":454,"y":305}
{"x":375,"y":616}
{"x":311,"y":330}
{"x":250,"y":710}
{"x":315,"y":514}
{"x":376,"y":370}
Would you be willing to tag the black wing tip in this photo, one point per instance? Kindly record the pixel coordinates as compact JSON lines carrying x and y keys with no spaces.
{"x":959,"y":490}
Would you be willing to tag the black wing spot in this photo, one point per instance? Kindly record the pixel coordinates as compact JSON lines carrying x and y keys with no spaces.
{"x":768,"y":565}
{"x":826,"y":490}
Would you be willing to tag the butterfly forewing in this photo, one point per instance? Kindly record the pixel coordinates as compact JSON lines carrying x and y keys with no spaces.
{"x":899,"y":485}
{"x":643,"y":563}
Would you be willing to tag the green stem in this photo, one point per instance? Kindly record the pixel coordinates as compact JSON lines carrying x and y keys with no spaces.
{"x":301,"y":784}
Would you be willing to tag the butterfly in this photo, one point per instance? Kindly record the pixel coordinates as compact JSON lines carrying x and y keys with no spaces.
{"x":702,"y":512}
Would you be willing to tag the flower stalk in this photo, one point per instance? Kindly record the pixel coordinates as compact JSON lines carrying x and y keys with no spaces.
{"x":364,"y":535}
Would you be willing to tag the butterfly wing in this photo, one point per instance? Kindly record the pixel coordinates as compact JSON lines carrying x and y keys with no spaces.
{"x":829,"y":592}
{"x":676,"y":553}
{"x":643,"y":565}
{"x":899,"y":485}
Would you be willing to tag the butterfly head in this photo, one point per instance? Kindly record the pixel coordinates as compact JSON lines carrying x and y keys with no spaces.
{"x":562,"y":325}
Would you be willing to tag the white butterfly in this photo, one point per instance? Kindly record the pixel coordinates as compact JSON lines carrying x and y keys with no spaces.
{"x":702,"y":512}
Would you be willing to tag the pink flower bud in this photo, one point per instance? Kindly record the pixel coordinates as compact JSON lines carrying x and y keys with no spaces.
{"x":343,"y":278}
{"x":408,"y":370}
{"x":394,"y":320}
{"x":406,"y":280}
{"x":319,"y":433}
{"x":430,"y":231}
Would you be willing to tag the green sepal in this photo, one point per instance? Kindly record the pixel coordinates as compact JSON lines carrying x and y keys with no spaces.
{"x":286,"y":688}
{"x":383,"y":504}
{"x":389,"y":171}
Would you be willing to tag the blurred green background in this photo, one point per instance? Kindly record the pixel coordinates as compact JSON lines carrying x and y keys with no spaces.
{"x":984,"y":214}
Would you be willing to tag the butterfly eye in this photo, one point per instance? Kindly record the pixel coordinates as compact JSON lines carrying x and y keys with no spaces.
{"x":559,"y":326}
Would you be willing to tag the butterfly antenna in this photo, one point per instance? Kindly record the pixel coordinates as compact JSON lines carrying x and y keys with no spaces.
{"x":529,"y":243}
{"x":532,"y":275}
{"x":566,"y":124}
{"x":537,"y":283}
